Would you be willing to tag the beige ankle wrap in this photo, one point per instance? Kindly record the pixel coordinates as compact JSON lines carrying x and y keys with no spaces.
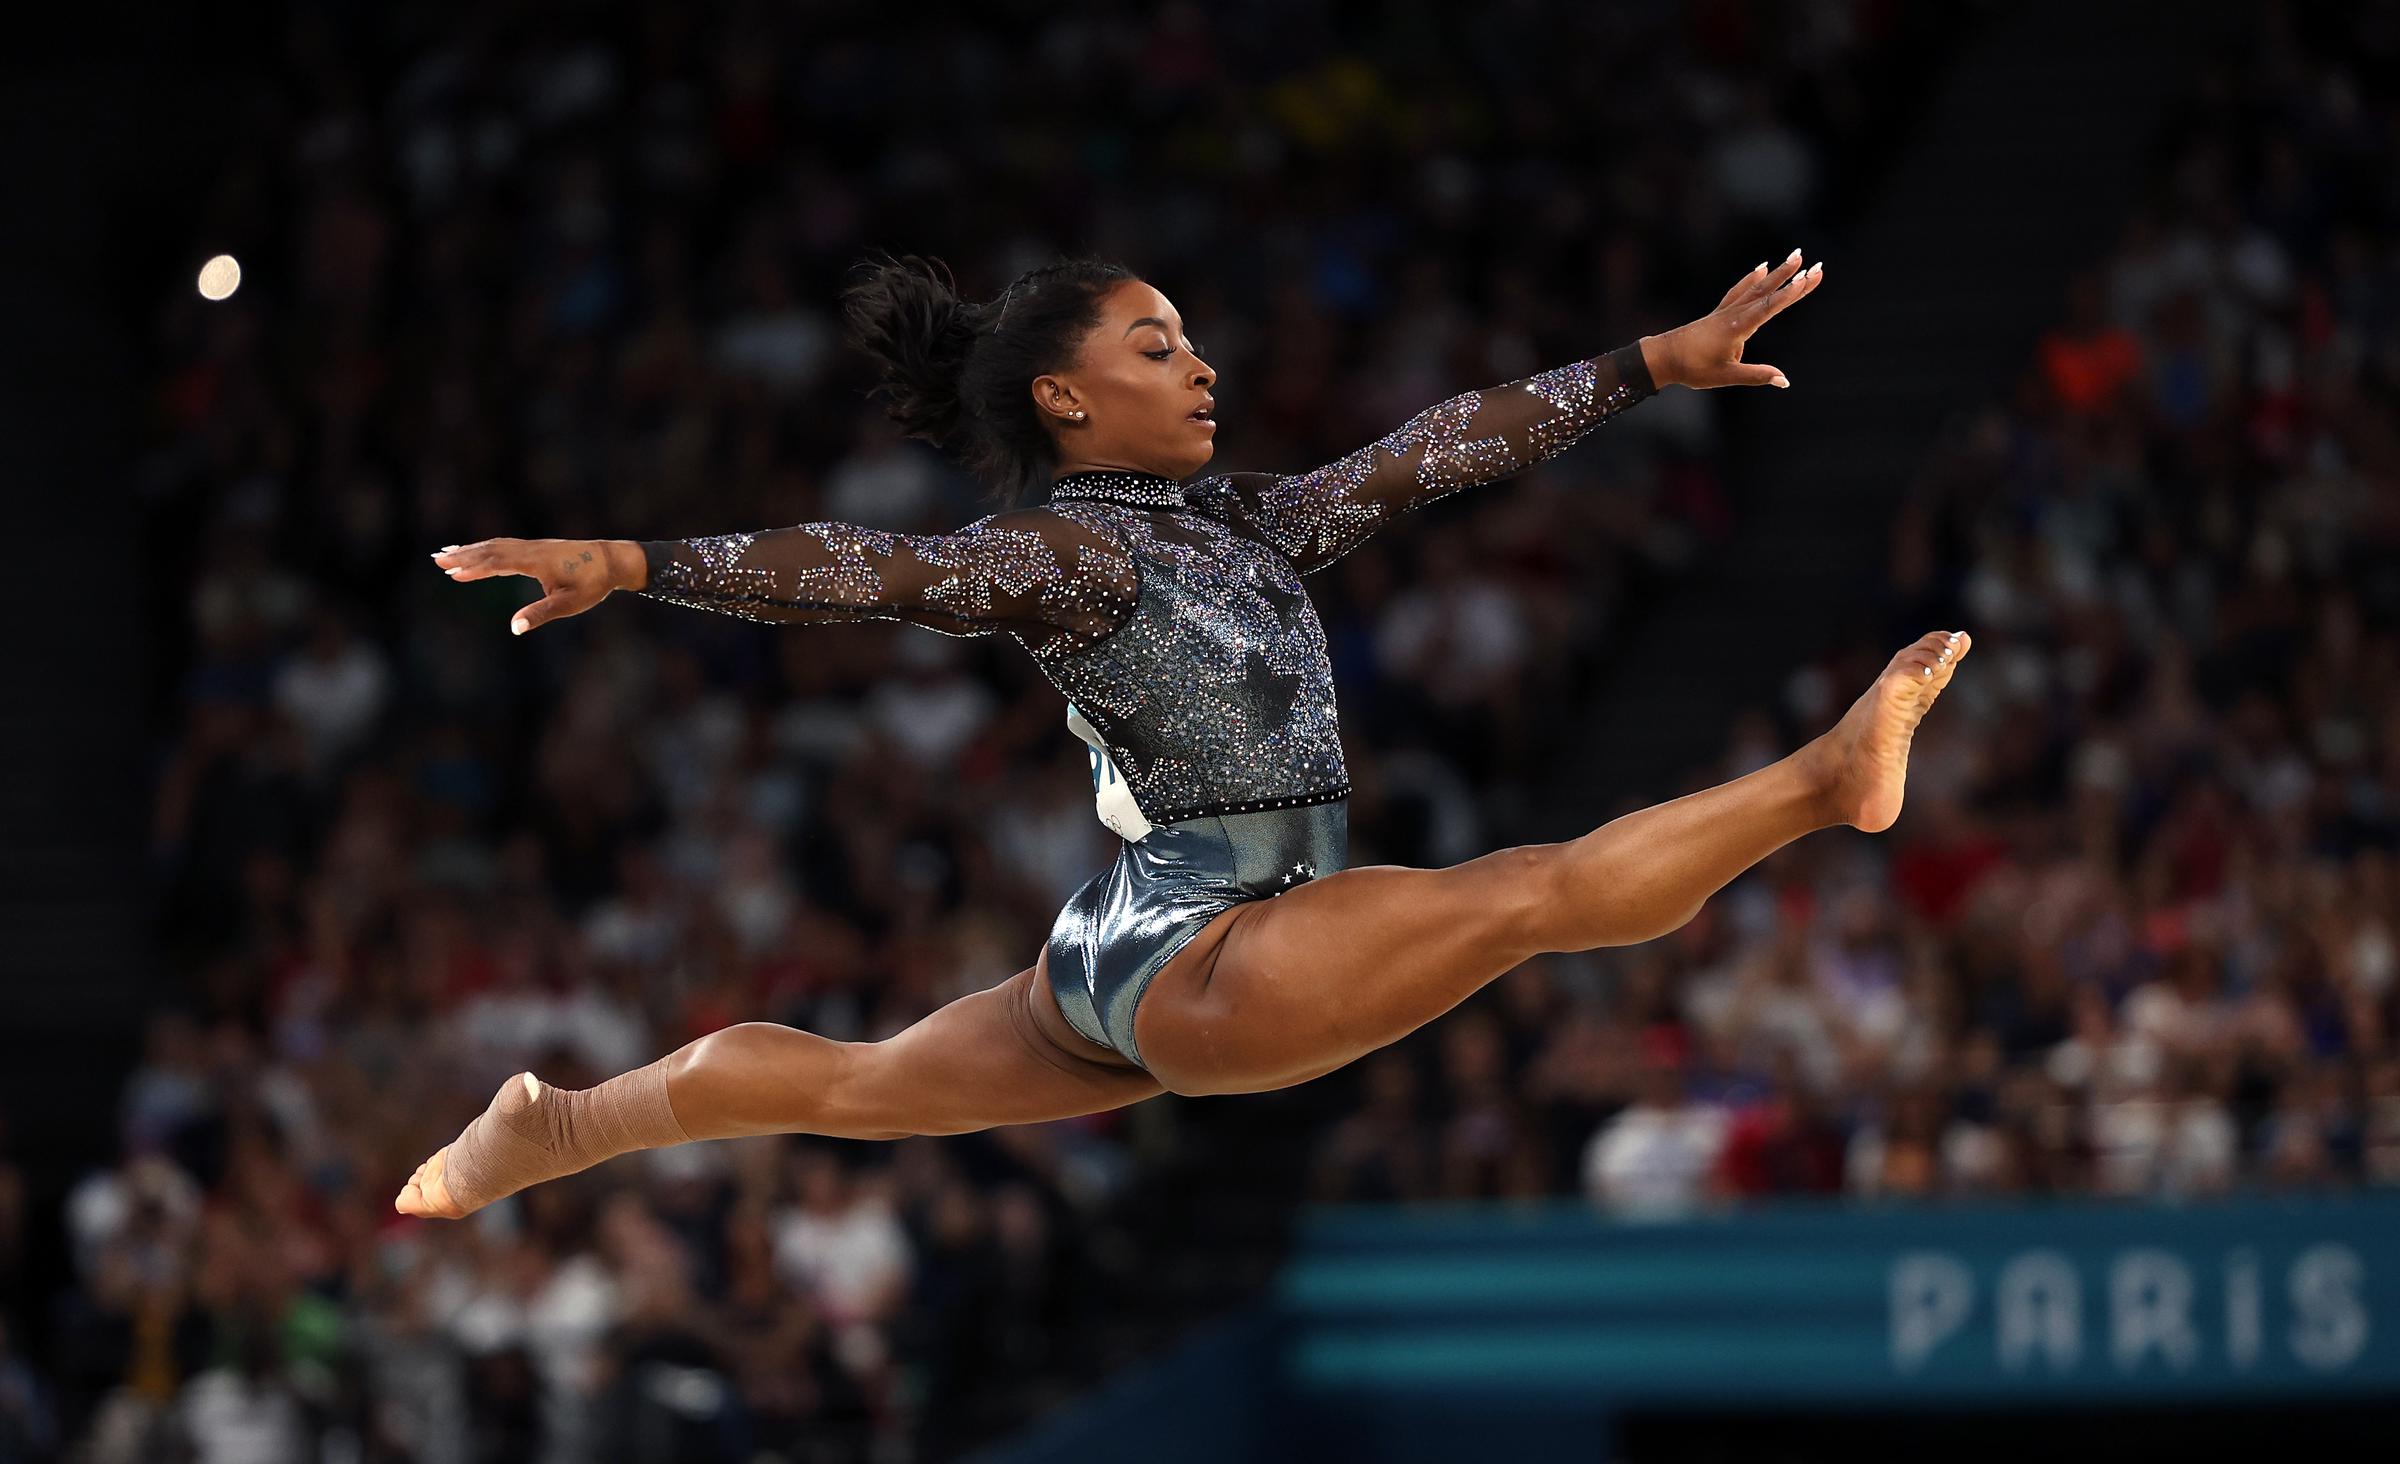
{"x":520,"y":1141}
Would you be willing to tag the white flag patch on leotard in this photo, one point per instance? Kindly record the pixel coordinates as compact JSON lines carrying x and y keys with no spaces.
{"x":1111,"y":798}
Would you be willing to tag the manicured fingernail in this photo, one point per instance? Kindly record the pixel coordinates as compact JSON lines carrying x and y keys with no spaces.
{"x":449,"y":548}
{"x":1816,"y":269}
{"x":1754,"y":269}
{"x":517,"y":626}
{"x":1780,"y":381}
{"x":1795,"y":254}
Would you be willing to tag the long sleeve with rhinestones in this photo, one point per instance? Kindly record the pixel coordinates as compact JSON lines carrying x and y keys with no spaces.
{"x":1314,"y":518}
{"x":1036,"y":573}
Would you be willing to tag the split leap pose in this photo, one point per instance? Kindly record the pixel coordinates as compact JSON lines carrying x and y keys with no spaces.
{"x":1226,"y":949}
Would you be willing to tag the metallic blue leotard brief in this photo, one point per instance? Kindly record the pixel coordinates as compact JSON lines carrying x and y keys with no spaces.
{"x":1125,"y":924}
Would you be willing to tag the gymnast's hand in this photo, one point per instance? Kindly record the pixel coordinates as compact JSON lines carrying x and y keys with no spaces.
{"x":1708,"y":352}
{"x":575,"y":574}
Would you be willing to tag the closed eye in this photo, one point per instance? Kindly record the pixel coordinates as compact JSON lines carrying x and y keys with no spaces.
{"x":1169,"y":351}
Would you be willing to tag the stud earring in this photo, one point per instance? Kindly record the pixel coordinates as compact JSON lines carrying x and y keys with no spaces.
{"x":1079,"y":416}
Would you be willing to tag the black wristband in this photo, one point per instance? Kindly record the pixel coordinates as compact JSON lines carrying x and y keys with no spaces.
{"x":658,"y":554}
{"x":1633,"y":370}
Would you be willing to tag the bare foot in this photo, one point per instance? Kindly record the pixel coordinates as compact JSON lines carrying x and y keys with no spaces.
{"x":1866,"y":753}
{"x":425,"y":1193}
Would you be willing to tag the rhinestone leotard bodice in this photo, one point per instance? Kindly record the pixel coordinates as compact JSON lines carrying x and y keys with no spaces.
{"x":1170,"y":614}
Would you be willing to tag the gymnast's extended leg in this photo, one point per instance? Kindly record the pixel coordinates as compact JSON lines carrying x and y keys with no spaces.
{"x":1280,"y":990}
{"x":1000,"y":1056}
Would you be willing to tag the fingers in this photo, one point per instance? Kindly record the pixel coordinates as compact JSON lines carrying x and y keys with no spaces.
{"x":481,"y":560}
{"x":1776,"y":302}
{"x":1744,"y":287}
{"x":1761,"y":282}
{"x":1756,"y":373}
{"x":540,"y":612}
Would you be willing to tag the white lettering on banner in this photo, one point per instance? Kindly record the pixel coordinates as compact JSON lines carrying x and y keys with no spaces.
{"x":2038,"y":1299}
{"x":2150,"y":1309}
{"x":2331,"y":1329}
{"x":2041,"y":1310}
{"x":1931,"y":1296}
{"x":2244,"y":1309}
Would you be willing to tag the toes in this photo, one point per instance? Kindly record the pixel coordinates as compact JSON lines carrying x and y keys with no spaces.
{"x":1930,"y":659}
{"x":417,"y":1198}
{"x":1952,"y":646}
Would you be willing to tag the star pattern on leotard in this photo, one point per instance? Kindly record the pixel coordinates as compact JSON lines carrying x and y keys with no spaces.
{"x":1169,"y":530}
{"x":1290,"y":602}
{"x":1282,"y":688}
{"x":1010,"y":562}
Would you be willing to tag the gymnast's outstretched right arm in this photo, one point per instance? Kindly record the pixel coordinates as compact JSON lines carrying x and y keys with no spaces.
{"x":1031,"y":571}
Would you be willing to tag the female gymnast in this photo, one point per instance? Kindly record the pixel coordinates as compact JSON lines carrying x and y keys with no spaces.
{"x":1226,"y":949}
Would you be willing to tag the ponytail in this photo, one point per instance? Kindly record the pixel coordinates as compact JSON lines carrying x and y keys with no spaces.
{"x":955,"y":373}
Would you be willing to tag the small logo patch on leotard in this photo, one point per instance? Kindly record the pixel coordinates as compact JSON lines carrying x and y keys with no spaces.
{"x":1112,"y":799}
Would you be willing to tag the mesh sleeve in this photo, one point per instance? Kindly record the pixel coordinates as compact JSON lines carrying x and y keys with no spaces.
{"x":1316,"y":517}
{"x":1032,"y":572}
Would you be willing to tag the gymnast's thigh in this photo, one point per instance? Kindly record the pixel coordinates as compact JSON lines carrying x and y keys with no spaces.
{"x":998,"y":1056}
{"x":1285,"y":988}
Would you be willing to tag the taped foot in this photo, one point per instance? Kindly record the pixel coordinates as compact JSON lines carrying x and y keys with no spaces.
{"x":531,"y":1132}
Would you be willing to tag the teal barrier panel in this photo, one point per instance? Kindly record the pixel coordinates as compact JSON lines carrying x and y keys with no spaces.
{"x":1839,"y":1306}
{"x":1440,"y":1333}
{"x":1208,"y":1401}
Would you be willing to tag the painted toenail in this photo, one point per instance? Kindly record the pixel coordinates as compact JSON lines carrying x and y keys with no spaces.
{"x":1929,"y":670}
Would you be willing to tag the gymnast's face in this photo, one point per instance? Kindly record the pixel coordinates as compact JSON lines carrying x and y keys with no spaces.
{"x":1137,"y":383}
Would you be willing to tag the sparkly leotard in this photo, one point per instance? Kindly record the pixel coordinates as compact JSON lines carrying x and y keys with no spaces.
{"x":1171,"y":616}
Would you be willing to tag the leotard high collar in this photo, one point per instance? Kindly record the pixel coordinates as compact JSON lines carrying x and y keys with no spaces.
{"x":1114,"y":485}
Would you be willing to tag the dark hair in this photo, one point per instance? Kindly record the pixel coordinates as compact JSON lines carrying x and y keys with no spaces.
{"x":954,"y":372}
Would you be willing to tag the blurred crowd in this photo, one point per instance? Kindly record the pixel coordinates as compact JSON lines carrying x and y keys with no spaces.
{"x":2138,"y":931}
{"x":536,"y":271}
{"x":550,"y":270}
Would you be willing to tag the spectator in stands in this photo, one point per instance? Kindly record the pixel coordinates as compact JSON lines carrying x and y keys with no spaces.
{"x":1657,"y":1159}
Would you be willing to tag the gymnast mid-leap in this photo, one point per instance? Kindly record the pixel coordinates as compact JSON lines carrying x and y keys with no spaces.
{"x":1226,"y":949}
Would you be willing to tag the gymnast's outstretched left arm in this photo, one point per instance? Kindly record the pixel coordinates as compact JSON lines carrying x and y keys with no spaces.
{"x":1316,"y":517}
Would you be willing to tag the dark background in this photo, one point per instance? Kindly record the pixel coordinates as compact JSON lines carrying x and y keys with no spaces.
{"x":1674,"y":603}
